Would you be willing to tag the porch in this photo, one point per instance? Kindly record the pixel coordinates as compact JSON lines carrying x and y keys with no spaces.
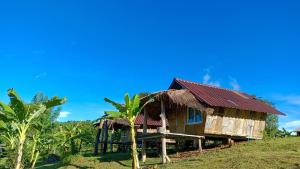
{"x":165,"y":104}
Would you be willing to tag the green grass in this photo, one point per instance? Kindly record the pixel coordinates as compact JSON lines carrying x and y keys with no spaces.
{"x":279,"y":153}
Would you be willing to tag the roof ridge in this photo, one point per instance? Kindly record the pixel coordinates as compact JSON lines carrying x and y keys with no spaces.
{"x":207,"y":85}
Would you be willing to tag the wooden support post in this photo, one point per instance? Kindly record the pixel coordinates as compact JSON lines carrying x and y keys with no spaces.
{"x":111,"y":139}
{"x":144,"y":144}
{"x":97,"y":141}
{"x":105,"y":134}
{"x":177,"y":146}
{"x":163,"y":150}
{"x":163,"y":117}
{"x":230,"y":142}
{"x":101,"y":139}
{"x":200,"y":145}
{"x":164,"y":155}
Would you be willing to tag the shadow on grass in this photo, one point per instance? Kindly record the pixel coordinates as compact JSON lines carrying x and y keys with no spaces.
{"x":119,"y":158}
{"x":124,"y":159}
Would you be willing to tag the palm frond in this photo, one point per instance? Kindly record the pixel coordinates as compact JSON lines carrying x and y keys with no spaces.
{"x":118,"y":106}
{"x":55,"y":101}
{"x":135,"y":104}
{"x":17,"y":104}
{"x":113,"y":115}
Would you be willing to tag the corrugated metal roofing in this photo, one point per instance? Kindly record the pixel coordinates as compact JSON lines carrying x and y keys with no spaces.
{"x":220,"y":97}
{"x":150,"y":121}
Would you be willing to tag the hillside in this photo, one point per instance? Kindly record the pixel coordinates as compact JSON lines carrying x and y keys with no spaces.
{"x":279,"y":153}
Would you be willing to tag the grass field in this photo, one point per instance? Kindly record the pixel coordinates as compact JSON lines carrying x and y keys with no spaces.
{"x":279,"y":153}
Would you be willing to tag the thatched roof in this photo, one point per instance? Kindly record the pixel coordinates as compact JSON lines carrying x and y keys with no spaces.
{"x":179,"y":97}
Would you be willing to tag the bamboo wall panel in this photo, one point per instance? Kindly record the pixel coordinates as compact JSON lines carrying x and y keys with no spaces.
{"x":220,"y":121}
{"x":236,"y":123}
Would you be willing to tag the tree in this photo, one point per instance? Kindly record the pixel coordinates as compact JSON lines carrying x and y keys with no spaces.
{"x":128,"y":111}
{"x":271,"y":128}
{"x":17,"y":117}
{"x":41,"y":130}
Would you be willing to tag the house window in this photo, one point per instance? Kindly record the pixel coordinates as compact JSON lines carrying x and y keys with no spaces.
{"x":194,"y":116}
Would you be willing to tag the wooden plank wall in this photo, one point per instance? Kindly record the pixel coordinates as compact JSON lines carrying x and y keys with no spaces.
{"x":178,"y":122}
{"x":221,"y":121}
{"x":225,"y":121}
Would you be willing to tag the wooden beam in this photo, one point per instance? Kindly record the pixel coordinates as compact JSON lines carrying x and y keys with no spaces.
{"x":144,"y":156}
{"x":171,"y":136}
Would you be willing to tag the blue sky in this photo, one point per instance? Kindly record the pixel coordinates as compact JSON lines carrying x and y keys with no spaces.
{"x":88,"y":50}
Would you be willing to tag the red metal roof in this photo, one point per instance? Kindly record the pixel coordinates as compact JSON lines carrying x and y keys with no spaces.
{"x":150,"y":121}
{"x":220,"y":97}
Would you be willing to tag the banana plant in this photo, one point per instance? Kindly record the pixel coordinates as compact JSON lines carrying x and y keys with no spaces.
{"x":128,"y":111}
{"x":20,"y":116}
{"x":34,"y":151}
{"x":69,"y":134}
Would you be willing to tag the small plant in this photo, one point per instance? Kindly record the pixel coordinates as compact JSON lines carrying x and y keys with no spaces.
{"x":128,"y":111}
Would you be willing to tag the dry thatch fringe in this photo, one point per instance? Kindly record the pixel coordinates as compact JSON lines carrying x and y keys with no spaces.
{"x":179,"y":97}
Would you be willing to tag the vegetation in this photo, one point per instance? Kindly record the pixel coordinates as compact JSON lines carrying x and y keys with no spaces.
{"x":271,"y":128}
{"x":30,"y":132}
{"x":263,"y":154}
{"x":17,"y":118}
{"x":128,"y":111}
{"x":34,"y":137}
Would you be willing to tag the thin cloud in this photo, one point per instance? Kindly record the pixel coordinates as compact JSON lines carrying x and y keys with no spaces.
{"x":38,"y":76}
{"x":292,"y":99}
{"x":207,"y":80}
{"x":234,"y":84}
{"x":63,"y":114}
{"x":292,"y":125}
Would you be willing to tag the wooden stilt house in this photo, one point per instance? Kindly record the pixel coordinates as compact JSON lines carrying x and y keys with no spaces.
{"x":195,"y":111}
{"x":190,"y":111}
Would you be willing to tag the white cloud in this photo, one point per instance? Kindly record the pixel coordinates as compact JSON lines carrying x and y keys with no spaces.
{"x":290,"y":99}
{"x":207,"y":80}
{"x":234,"y":84}
{"x":44,"y":74}
{"x":292,"y":125}
{"x":63,"y":114}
